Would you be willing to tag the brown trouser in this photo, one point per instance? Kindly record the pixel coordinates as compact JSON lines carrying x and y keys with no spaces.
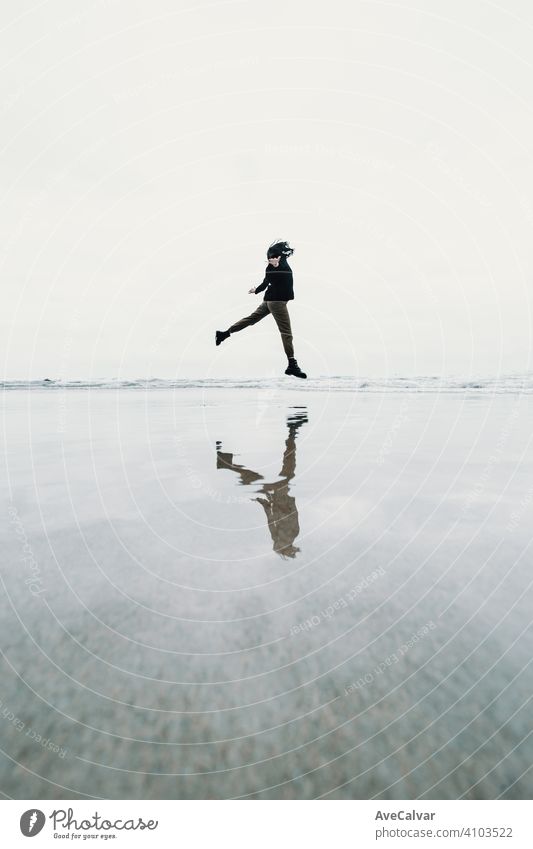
{"x":281,"y":316}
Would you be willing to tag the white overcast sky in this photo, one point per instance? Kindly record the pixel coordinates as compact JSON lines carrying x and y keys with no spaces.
{"x":150,"y":151}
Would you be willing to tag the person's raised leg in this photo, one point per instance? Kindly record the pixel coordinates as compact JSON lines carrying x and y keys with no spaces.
{"x":253,"y":318}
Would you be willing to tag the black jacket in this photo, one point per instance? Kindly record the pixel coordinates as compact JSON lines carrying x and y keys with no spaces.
{"x":278,"y":283}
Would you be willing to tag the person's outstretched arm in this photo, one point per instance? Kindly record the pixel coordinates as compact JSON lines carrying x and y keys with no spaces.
{"x":256,"y":289}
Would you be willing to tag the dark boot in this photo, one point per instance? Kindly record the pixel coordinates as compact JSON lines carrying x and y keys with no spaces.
{"x":220,"y":335}
{"x":294,"y":369}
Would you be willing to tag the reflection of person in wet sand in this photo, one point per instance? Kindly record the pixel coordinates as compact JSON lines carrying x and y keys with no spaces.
{"x":280,"y":507}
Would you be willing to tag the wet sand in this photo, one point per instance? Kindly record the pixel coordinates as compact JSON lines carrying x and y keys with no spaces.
{"x":266,"y":594}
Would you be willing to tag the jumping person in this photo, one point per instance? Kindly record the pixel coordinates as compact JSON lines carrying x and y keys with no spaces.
{"x":279,"y":289}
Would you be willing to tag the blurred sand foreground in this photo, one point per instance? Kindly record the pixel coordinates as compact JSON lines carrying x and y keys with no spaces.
{"x":206,"y":595}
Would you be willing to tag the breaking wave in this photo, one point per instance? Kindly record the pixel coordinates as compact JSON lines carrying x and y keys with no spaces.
{"x":501,"y":384}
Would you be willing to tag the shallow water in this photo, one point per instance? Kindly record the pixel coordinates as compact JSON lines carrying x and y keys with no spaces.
{"x":476,"y":384}
{"x":264,"y":592}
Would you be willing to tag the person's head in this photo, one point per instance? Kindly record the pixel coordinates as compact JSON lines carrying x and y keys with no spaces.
{"x":278,"y":252}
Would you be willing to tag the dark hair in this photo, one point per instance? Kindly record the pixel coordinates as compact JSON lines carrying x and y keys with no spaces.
{"x":279,"y":249}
